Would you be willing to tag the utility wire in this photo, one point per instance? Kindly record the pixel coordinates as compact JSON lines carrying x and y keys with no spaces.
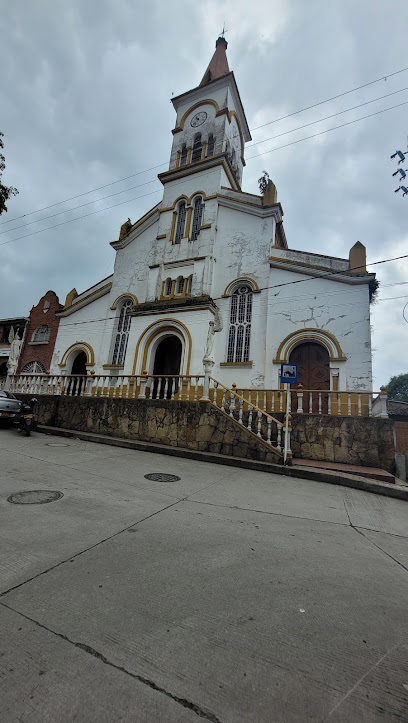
{"x":160,"y":165}
{"x":328,"y":130}
{"x":146,"y":183}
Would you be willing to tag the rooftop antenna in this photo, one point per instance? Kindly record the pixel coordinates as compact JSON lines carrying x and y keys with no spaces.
{"x":223,"y":31}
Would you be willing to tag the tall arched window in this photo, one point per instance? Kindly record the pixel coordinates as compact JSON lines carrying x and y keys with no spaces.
{"x":122,"y":333}
{"x":168,"y":287}
{"x":240,"y":325}
{"x":197,"y":217}
{"x":183,"y":155}
{"x":42,"y":333}
{"x":211,"y":145}
{"x":181,"y":222}
{"x":197,"y":148}
{"x":180,"y":285}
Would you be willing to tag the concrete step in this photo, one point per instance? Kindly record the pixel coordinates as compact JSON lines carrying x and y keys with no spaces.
{"x":370,"y":472}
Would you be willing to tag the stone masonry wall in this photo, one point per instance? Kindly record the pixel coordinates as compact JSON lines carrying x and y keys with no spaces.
{"x":200,"y":426}
{"x":366,"y":441}
{"x":191,"y":425}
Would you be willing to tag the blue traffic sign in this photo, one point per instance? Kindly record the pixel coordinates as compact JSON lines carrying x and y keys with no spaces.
{"x":289,"y":373}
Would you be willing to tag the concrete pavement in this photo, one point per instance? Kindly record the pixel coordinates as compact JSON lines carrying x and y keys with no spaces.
{"x":230,"y":595}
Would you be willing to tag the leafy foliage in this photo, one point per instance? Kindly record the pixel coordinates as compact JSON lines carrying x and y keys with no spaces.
{"x":397,"y":388}
{"x":5,"y":191}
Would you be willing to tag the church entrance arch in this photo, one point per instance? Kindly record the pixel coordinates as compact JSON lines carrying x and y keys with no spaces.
{"x":313,"y":372}
{"x":167,"y":362}
{"x":78,"y":370}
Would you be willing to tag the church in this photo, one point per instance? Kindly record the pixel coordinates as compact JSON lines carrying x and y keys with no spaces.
{"x":206,"y":276}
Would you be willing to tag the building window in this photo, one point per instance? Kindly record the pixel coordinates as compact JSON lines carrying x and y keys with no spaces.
{"x":179,"y":285}
{"x":168,"y":287}
{"x":122,"y":333}
{"x":183,"y":155}
{"x":189,"y":284}
{"x":181,"y":222}
{"x":42,"y":333}
{"x":197,"y":218}
{"x":240,"y":325}
{"x":33,"y":367}
{"x":211,"y":145}
{"x":197,"y":148}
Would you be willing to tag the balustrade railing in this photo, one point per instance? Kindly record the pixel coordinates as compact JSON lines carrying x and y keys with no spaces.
{"x":251,"y":416}
{"x":194,"y":388}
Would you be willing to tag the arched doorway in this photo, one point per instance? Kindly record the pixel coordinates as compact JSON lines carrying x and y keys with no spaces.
{"x":78,"y":370}
{"x":314,"y":373}
{"x":167,"y":360}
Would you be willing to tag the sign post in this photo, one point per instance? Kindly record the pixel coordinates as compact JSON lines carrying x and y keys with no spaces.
{"x":288,"y":376}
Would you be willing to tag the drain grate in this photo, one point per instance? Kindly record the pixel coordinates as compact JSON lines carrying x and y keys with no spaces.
{"x":34,"y":497}
{"x":162,"y":477}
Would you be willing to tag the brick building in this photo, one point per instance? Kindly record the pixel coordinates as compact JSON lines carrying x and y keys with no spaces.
{"x":40,"y":336}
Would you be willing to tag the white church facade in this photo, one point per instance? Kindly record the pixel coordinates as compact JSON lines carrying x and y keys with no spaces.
{"x":207,"y":274}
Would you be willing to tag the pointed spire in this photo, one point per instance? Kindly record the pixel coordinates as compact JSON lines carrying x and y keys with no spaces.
{"x":218,"y":64}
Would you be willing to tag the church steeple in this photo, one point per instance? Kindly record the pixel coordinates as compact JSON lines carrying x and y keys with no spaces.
{"x":218,"y":65}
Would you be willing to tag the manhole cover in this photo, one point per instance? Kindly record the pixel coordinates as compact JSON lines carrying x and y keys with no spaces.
{"x":34,"y":497}
{"x":56,"y":444}
{"x":162,"y":477}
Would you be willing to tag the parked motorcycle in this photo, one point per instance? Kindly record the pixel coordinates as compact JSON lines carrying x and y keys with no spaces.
{"x":28,"y":418}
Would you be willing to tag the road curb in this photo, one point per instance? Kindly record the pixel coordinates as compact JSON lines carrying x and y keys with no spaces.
{"x":317,"y":475}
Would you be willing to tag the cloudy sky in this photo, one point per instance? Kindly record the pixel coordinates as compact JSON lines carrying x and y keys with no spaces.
{"x":85,"y":102}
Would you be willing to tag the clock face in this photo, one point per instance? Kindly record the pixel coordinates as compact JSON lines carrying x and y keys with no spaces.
{"x":198,"y":119}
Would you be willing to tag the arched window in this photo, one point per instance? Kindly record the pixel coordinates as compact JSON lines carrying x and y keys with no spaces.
{"x":197,"y":217}
{"x":122,"y":333}
{"x":211,"y":145}
{"x":183,"y":155}
{"x":42,"y":333}
{"x":189,"y":284}
{"x":180,"y":285}
{"x":33,"y":367}
{"x":197,"y":148}
{"x":181,"y":222}
{"x":168,"y":287}
{"x":240,"y":325}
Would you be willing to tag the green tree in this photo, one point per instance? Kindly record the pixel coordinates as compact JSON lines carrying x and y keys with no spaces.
{"x":5,"y":191}
{"x":397,"y":388}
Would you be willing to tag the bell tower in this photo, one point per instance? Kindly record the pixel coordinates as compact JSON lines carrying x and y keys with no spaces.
{"x":210,"y":132}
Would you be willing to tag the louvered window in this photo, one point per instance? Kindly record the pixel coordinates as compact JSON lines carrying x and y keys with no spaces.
{"x":181,"y":223}
{"x":180,"y":285}
{"x":168,"y":287}
{"x":122,"y":333}
{"x":240,"y":325}
{"x":183,"y":156}
{"x":211,"y":145}
{"x":197,"y":218}
{"x":197,"y":148}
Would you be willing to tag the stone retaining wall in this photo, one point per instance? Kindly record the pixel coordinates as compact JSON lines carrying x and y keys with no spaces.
{"x":367,"y":441}
{"x":191,"y":425}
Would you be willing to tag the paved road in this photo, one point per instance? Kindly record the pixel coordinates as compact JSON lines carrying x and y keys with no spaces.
{"x":229,"y":595}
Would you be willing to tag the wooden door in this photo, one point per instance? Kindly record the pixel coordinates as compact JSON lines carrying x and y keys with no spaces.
{"x":314,"y":374}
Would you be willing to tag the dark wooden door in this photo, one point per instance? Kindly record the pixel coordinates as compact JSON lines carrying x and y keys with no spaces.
{"x":314,"y":373}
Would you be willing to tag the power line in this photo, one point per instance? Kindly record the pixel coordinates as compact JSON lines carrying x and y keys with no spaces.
{"x":160,"y":165}
{"x":328,"y":130}
{"x":286,"y":145}
{"x":146,"y":183}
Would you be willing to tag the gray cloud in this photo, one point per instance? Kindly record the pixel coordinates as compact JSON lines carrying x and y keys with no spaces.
{"x":85,"y":101}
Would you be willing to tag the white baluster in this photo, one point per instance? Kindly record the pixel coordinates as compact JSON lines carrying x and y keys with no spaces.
{"x":320,"y":402}
{"x":279,"y":438}
{"x":250,"y":410}
{"x":223,"y":401}
{"x":269,"y":429}
{"x":338,"y":404}
{"x":173,"y":386}
{"x":281,"y":401}
{"x":273,"y":401}
{"x":359,"y":404}
{"x":329,"y":404}
{"x":232,"y":401}
{"x":241,"y":410}
{"x":310,"y":402}
{"x":188,"y":389}
{"x":370,"y":405}
{"x":349,"y":405}
{"x":300,"y":399}
{"x":259,"y":413}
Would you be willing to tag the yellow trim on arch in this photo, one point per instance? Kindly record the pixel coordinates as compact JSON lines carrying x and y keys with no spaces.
{"x":325,"y":338}
{"x":128,"y":295}
{"x":241,"y":280}
{"x":170,"y":325}
{"x":206,"y":101}
{"x":80,"y":346}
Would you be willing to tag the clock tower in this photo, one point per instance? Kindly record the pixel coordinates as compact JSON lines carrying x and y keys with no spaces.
{"x":209,"y":135}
